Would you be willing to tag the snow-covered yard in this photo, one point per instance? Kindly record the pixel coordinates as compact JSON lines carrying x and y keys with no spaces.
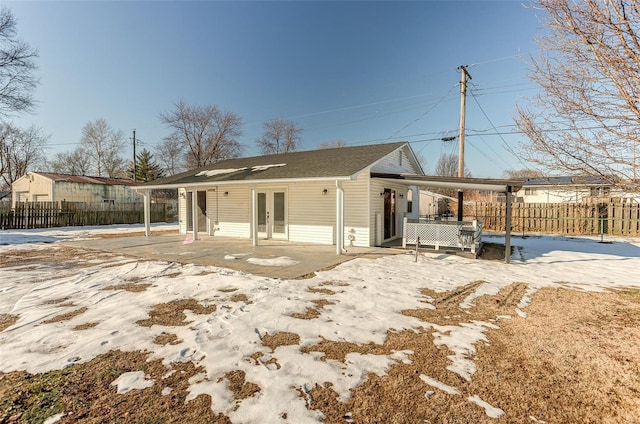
{"x":69,"y":312}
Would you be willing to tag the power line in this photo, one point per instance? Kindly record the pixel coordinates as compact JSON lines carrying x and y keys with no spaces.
{"x":504,"y":142}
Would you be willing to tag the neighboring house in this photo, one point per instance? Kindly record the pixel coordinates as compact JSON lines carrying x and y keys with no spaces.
{"x":562,"y":189}
{"x":5,"y":196}
{"x":434,"y":204}
{"x":51,"y":187}
{"x":301,"y":196}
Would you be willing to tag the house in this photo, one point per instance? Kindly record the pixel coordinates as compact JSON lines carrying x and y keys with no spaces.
{"x":359,"y":196}
{"x":51,"y":187}
{"x":562,"y":189}
{"x":327,"y":196}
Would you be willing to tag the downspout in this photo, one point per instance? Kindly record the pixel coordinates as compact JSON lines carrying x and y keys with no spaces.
{"x":339,"y":219}
{"x":254,"y":216}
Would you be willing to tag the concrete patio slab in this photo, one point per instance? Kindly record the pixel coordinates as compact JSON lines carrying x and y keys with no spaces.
{"x":276,"y":259}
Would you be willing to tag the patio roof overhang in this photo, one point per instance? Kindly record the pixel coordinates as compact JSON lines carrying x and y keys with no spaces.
{"x":483,"y":184}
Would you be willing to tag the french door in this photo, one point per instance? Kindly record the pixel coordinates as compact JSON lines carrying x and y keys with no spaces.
{"x":272,"y":214}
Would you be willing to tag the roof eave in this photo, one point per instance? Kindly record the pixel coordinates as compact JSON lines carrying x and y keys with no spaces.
{"x":242,"y":182}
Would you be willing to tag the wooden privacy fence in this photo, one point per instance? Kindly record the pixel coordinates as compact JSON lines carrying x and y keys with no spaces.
{"x":61,"y":214}
{"x":562,"y":218}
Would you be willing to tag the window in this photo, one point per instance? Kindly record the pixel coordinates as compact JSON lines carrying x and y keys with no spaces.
{"x":409,"y":201}
{"x":529,"y":191}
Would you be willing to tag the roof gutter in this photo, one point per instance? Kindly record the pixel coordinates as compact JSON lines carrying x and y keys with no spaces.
{"x":241,"y":182}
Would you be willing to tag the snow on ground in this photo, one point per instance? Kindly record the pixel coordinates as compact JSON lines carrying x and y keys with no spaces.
{"x":368,"y":298}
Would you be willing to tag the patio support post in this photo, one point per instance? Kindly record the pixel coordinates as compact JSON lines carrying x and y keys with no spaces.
{"x":507,"y":224}
{"x":254,"y":216}
{"x":339,"y":218}
{"x":146,"y":196}
{"x":194,"y":214}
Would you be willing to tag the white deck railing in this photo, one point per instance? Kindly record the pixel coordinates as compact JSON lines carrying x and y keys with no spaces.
{"x":459,"y":234}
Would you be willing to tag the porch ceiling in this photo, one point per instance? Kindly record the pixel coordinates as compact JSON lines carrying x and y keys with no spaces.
{"x":485,"y":184}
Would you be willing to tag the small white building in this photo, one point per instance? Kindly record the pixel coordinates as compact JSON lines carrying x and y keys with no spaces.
{"x":52,"y":187}
{"x":562,"y":189}
{"x":319,"y":196}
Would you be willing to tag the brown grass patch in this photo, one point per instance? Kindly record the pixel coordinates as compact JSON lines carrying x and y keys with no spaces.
{"x":239,"y":387}
{"x":132,"y":287}
{"x":7,"y":320}
{"x":574,"y":359}
{"x":321,"y":290}
{"x":257,"y":359}
{"x":172,"y":313}
{"x":448,"y":311}
{"x":167,"y":338}
{"x":239,"y":298}
{"x":85,"y":326}
{"x":67,"y":316}
{"x":85,"y":394}
{"x":310,"y":312}
{"x":56,"y":301}
{"x":280,"y":339}
{"x":55,"y":256}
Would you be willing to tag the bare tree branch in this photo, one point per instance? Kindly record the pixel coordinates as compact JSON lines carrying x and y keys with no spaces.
{"x":17,"y":66}
{"x":585,"y":118}
{"x":280,"y":136}
{"x":20,"y":151}
{"x":208,"y":133}
{"x":103,"y":145}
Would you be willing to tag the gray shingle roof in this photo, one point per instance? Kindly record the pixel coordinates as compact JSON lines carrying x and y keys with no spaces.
{"x":323,"y":163}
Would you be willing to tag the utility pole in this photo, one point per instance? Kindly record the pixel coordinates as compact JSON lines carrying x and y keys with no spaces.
{"x":135,"y":162}
{"x":463,"y":106}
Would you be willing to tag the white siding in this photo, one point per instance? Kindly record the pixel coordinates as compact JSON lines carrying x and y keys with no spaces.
{"x":356,"y":211}
{"x":312,"y":215}
{"x":229,"y":215}
{"x":547,"y":195}
{"x":397,"y":162}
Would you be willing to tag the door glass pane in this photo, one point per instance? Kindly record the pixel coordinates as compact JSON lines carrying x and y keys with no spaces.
{"x":278,"y":212}
{"x":189,"y":211}
{"x":262,"y":212}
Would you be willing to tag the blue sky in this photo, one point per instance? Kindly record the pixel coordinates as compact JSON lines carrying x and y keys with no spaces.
{"x":363,"y":72}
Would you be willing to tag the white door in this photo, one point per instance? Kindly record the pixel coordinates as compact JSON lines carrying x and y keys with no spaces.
{"x":272,"y":214}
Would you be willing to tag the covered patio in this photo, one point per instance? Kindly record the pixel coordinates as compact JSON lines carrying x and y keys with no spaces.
{"x":458,"y":233}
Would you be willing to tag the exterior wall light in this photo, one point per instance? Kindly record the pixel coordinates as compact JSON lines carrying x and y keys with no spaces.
{"x":324,"y":192}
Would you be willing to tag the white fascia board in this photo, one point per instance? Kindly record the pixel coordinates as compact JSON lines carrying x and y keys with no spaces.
{"x":243,"y":182}
{"x":500,"y":188}
{"x":371,"y":165}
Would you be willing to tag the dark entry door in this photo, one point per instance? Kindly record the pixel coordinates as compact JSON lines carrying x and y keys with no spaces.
{"x":389,"y":213}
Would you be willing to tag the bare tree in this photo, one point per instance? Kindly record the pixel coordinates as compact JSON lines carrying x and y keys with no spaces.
{"x":520,"y":174}
{"x":17,"y":66}
{"x":209,"y":134}
{"x":76,"y":162}
{"x":585,"y":118}
{"x":447,"y":166}
{"x":103,"y":145}
{"x":20,"y":151}
{"x":280,"y":136}
{"x":332,"y":144}
{"x":171,"y":155}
